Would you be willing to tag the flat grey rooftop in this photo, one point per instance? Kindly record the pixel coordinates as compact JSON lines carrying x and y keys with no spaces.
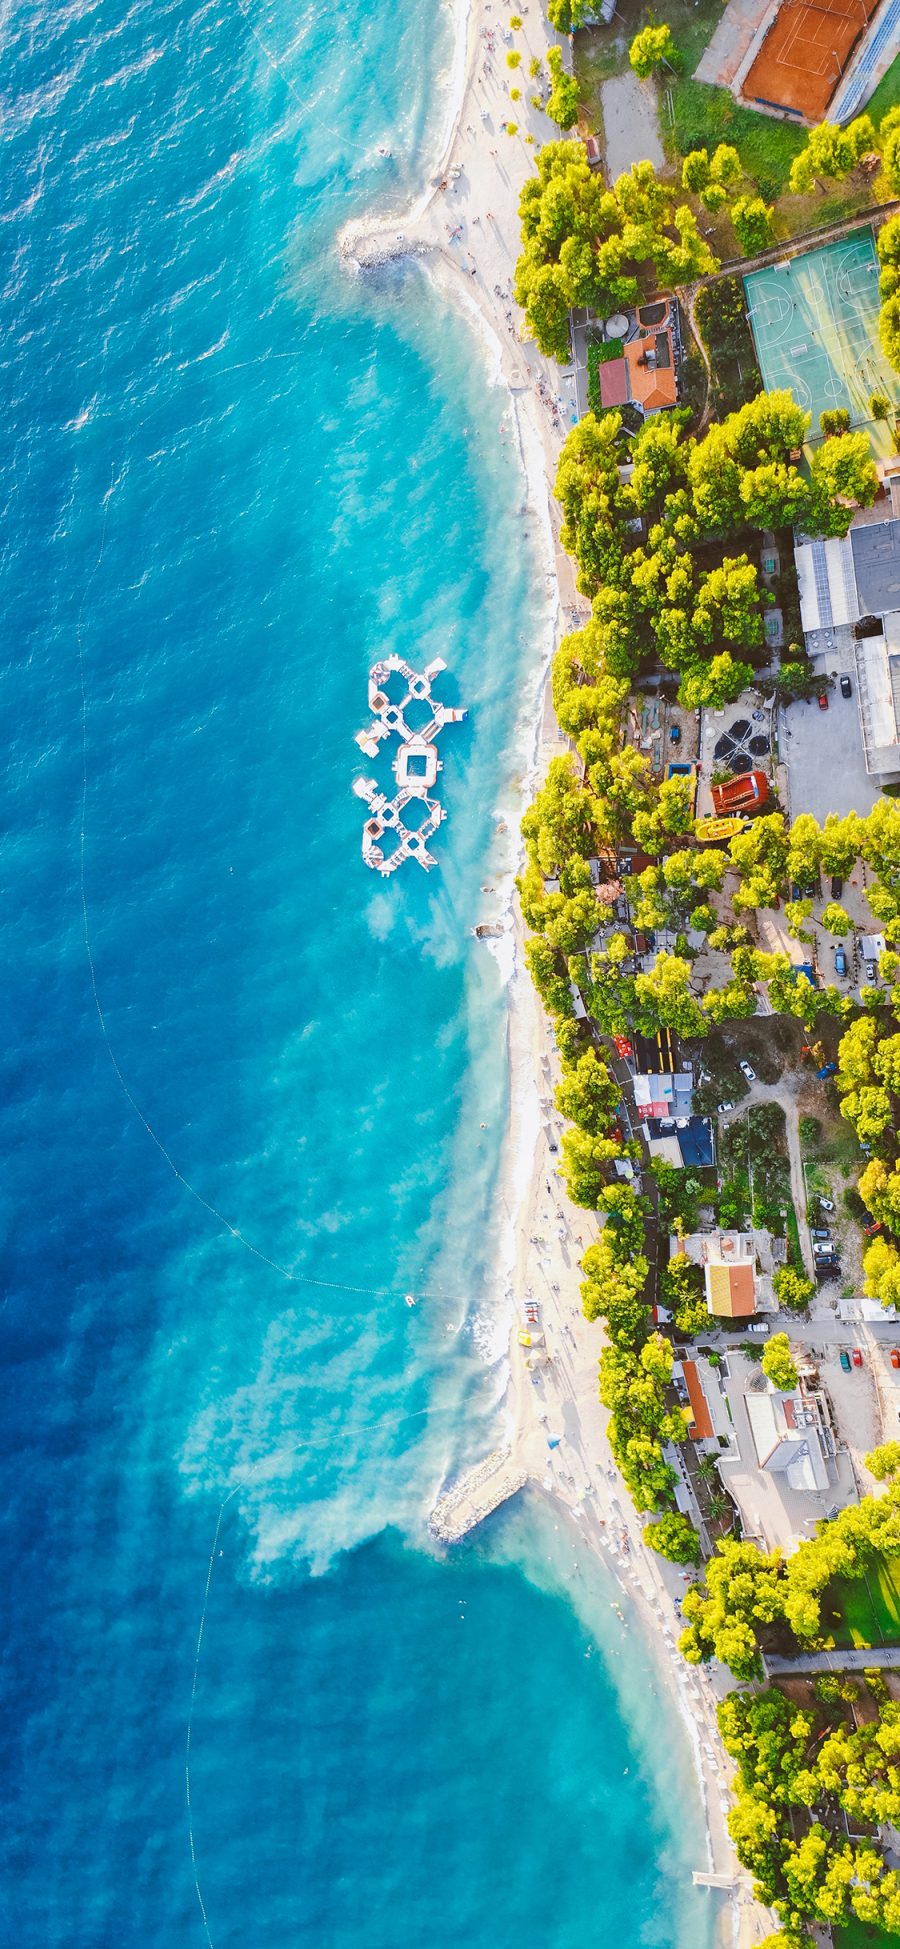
{"x":876,"y":565}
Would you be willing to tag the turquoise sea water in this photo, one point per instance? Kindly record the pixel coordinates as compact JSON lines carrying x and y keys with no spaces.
{"x":232,"y":476}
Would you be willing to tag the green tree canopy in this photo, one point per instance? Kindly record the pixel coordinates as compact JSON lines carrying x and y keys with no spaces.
{"x":650,"y":48}
{"x":752,"y":221}
{"x":674,"y":1538}
{"x":562,"y":101}
{"x":843,"y":469}
{"x":565,"y":15}
{"x":835,"y":918}
{"x":588,"y":1094}
{"x":792,"y":1288}
{"x":778,"y":1365}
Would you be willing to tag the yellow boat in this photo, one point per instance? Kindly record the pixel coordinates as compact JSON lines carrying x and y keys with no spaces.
{"x":706,"y":829}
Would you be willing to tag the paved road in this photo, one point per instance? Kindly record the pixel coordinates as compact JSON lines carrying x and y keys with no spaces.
{"x":836,"y":1661}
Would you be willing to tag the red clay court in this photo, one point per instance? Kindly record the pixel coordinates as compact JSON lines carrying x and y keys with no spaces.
{"x":805,"y":54}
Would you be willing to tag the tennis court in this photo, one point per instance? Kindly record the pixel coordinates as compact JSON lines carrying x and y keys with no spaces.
{"x":805,"y":54}
{"x":815,"y":327}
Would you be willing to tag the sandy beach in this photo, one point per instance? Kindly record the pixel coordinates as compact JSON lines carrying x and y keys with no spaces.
{"x":465,"y":228}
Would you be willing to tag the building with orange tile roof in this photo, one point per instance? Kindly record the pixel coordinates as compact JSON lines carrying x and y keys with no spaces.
{"x":730,"y":1291}
{"x":728,"y":1260}
{"x":701,"y":1428}
{"x":651,"y":371}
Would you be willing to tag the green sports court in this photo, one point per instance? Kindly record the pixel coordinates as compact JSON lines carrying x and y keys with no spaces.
{"x":815,"y":327}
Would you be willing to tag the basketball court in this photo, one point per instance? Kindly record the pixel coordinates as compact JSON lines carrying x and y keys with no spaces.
{"x":815,"y":327}
{"x":805,"y":54}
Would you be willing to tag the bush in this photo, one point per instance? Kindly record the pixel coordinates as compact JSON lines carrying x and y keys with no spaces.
{"x":792,"y":1289}
{"x":835,"y":420}
{"x":514,"y":58}
{"x":722,"y":323}
{"x":810,"y":1132}
{"x":608,"y":349}
{"x":879,"y":406}
{"x":828,"y":1689}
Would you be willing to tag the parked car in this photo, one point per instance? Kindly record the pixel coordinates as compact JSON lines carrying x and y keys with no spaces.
{"x":747,"y":1071}
{"x":840,"y":962}
{"x":845,"y":1362}
{"x":675,"y":733}
{"x":825,"y":1204}
{"x":759,"y":1327}
{"x":721,"y":1108}
{"x":823,"y":700}
{"x":837,"y":886}
{"x":873,"y":1227}
{"x":846,"y":687}
{"x":828,"y":1068}
{"x":895,"y":1356}
{"x":857,"y":1357}
{"x":821,"y":1232}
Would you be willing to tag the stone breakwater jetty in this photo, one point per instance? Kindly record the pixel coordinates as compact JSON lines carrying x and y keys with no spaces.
{"x":476,"y":1495}
{"x":373,"y":249}
{"x":415,"y":766}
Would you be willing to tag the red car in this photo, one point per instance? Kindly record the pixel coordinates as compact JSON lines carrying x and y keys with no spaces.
{"x":873,"y":1228}
{"x":895,"y":1356}
{"x":823,"y":701}
{"x":857,"y":1357}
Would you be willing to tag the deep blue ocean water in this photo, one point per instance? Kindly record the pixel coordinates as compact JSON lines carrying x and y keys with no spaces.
{"x":235,"y":1063}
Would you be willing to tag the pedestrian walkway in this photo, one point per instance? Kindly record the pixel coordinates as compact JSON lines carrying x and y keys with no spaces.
{"x":852,"y":1660}
{"x":726,"y":53}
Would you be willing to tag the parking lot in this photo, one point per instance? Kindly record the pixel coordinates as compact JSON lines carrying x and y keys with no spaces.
{"x":823,"y":751}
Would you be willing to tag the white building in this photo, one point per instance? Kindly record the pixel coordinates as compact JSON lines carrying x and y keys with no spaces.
{"x":850,"y":598}
{"x":790,"y":1436}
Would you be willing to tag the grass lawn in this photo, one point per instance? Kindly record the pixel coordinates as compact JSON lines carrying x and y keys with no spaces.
{"x":603,"y":51}
{"x":703,"y":115}
{"x":868,"y":1607}
{"x":862,"y":1935}
{"x":887,"y":94}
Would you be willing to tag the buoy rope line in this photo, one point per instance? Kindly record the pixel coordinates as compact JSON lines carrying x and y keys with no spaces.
{"x":414,"y":1414}
{"x":291,"y":1274}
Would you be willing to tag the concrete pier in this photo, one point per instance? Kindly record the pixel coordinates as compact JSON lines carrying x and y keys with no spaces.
{"x":476,"y":1495}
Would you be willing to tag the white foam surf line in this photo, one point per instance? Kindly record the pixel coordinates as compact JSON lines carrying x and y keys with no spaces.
{"x":452,"y":83}
{"x":524,"y":1118}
